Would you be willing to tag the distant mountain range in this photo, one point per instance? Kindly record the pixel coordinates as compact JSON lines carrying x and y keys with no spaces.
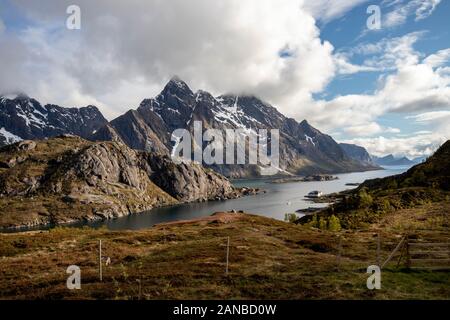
{"x":304,"y":150}
{"x":24,"y":118}
{"x":424,"y":183}
{"x":390,"y":160}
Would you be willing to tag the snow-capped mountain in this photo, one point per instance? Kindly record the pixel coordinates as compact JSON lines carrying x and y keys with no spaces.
{"x":303,"y":149}
{"x":22,"y":117}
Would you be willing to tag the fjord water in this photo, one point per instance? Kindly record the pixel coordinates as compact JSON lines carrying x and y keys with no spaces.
{"x":278,"y":200}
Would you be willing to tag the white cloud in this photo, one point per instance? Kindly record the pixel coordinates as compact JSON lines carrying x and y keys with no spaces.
{"x":415,"y":84}
{"x":438,"y":59}
{"x":414,"y":146}
{"x":369,"y":129}
{"x":327,"y":10}
{"x":126,"y":52}
{"x":430,"y":116}
{"x":403,"y":9}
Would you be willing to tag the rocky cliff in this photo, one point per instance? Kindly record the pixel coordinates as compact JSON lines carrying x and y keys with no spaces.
{"x":67,"y":179}
{"x":357,"y":153}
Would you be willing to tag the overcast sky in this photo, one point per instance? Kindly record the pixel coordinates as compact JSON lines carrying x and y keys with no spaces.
{"x":386,"y":89}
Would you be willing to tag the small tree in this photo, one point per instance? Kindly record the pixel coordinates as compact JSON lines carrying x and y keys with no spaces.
{"x":334,"y":224}
{"x":322,"y":223}
{"x":365,"y":199}
{"x":314,"y":221}
{"x":290,"y":217}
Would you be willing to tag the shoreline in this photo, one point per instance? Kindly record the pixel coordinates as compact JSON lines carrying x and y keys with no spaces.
{"x":239,"y":193}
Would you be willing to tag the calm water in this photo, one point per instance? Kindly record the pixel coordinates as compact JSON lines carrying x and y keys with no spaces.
{"x":275,"y":203}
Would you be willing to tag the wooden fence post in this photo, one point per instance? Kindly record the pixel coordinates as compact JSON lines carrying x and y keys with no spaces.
{"x":408,"y":256}
{"x":228,"y":254}
{"x":400,"y":244}
{"x":378,"y":250}
{"x":338,"y":262}
{"x":100,"y":260}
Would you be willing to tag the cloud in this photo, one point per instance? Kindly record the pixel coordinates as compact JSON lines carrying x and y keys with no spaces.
{"x":430,"y":116}
{"x":126,"y":52}
{"x":327,"y":10}
{"x":369,"y":129}
{"x":402,"y":10}
{"x":419,"y":144}
{"x":438,"y":59}
{"x":415,"y":85}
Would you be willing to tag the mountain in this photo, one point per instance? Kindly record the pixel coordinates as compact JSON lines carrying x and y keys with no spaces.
{"x":303,"y":149}
{"x":433,"y":173}
{"x":390,"y":160}
{"x":419,"y":159}
{"x":357,"y":153}
{"x":24,"y":118}
{"x":67,"y":179}
{"x":425,"y":183}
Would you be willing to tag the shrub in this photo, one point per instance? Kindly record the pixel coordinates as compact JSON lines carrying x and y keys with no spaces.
{"x":334,"y":224}
{"x":322,"y":223}
{"x":290,"y":217}
{"x":365,"y":199}
{"x":314,"y":222}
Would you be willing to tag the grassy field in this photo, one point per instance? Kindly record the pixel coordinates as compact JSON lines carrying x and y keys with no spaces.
{"x":269,"y":259}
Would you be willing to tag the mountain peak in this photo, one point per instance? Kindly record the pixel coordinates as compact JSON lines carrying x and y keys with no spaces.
{"x":14,"y":96}
{"x":176,"y":82}
{"x":305,"y":123}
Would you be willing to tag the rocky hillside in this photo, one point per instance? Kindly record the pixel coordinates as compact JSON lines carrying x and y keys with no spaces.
{"x":357,"y":153}
{"x":67,"y":178}
{"x":433,"y":173}
{"x":24,"y":118}
{"x":303,"y":149}
{"x":425,"y":183}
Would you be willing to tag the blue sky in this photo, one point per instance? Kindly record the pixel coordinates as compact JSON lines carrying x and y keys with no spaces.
{"x":386,"y":89}
{"x":350,"y":31}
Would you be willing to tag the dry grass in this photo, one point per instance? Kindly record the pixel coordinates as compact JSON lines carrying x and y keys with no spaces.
{"x":269,"y":259}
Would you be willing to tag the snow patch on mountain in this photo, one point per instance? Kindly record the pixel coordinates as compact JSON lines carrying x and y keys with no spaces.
{"x":309,"y":139}
{"x":9,"y":137}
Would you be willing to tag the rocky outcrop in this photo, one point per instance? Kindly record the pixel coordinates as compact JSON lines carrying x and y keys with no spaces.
{"x":67,"y":179}
{"x":188,"y":182}
{"x":357,"y":153}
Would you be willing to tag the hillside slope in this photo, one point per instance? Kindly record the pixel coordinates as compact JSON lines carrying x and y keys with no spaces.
{"x":427,"y":182}
{"x":268,"y":259}
{"x":68,"y":179}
